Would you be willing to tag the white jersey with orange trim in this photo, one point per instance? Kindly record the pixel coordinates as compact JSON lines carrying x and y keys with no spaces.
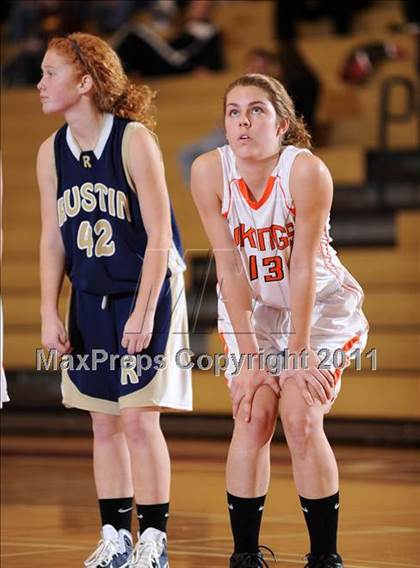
{"x":4,"y":397}
{"x":263,"y":231}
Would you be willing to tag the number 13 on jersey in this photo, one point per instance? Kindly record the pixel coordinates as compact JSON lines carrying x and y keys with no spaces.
{"x":272,"y":273}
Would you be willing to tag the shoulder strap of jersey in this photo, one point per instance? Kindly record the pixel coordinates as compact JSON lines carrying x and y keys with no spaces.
{"x":59,"y":136}
{"x":229,"y":174}
{"x":284,"y":167}
{"x":128,"y":131}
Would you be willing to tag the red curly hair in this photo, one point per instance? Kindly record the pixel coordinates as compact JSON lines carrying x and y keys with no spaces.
{"x":114,"y":92}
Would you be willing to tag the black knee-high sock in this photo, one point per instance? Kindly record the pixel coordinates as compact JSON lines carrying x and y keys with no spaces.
{"x":116,"y":512}
{"x":245,"y":520}
{"x":155,"y":516}
{"x":321,"y":516}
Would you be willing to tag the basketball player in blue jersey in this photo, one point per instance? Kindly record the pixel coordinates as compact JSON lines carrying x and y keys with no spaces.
{"x":265,"y":200}
{"x":107,"y":223}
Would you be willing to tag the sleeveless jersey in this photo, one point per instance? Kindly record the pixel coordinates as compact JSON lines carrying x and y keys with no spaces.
{"x":263,"y":232}
{"x":99,"y":215}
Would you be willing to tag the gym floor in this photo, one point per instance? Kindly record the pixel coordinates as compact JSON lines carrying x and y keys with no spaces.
{"x":50,"y":518}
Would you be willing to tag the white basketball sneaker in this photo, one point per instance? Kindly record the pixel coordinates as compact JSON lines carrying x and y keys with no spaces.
{"x":113,"y":550}
{"x":150,"y":551}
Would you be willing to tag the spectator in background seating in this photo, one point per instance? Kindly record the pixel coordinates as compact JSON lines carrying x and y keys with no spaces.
{"x":302,"y":84}
{"x":199,"y":45}
{"x":288,"y":14}
{"x":33,"y":24}
{"x":363,"y":60}
{"x":110,"y":15}
{"x":412,"y":14}
{"x":298,"y":78}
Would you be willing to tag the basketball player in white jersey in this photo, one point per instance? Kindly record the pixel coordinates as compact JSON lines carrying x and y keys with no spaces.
{"x":265,"y":200}
{"x":4,"y":397}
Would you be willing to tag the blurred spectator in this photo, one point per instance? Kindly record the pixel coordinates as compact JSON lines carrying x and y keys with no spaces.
{"x":5,"y":8}
{"x":259,"y":60}
{"x":362,"y":61}
{"x":301,"y":83}
{"x":33,"y":24}
{"x":43,"y":18}
{"x":110,"y":15}
{"x":412,"y":14}
{"x":199,"y":45}
{"x":291,"y":69}
{"x":189,"y":153}
{"x":288,"y":13}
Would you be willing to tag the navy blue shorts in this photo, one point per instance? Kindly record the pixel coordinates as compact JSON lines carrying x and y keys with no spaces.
{"x":102,"y":377}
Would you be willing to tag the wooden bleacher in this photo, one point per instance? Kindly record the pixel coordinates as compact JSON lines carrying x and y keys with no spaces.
{"x":189,"y":107}
{"x":355,"y":106}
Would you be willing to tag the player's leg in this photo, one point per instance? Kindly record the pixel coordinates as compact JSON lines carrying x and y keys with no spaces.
{"x":91,"y":328}
{"x":112,"y":472}
{"x":150,"y":465}
{"x":148,"y":389}
{"x":248,"y":472}
{"x":339,"y":330}
{"x":248,"y":463}
{"x":315,"y":472}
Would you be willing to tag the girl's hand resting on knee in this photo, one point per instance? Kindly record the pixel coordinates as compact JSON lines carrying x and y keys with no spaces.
{"x":313,"y":383}
{"x":245,"y":385}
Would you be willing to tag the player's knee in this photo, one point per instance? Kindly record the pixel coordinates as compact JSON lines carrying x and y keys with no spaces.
{"x":104,"y":427}
{"x":300,"y":428}
{"x":260,"y":428}
{"x":139,"y":428}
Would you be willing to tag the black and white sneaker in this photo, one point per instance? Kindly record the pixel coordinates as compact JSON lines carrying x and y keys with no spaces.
{"x":113,"y":549}
{"x":151,"y":551}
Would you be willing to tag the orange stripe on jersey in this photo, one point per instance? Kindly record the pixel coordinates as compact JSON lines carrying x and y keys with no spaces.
{"x":226,"y":349}
{"x":243,"y":188}
{"x":222,"y":337}
{"x":346,"y":347}
{"x":326,"y":253}
{"x":290,"y":207}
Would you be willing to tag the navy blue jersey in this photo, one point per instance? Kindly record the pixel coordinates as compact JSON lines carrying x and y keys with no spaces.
{"x":98,"y":213}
